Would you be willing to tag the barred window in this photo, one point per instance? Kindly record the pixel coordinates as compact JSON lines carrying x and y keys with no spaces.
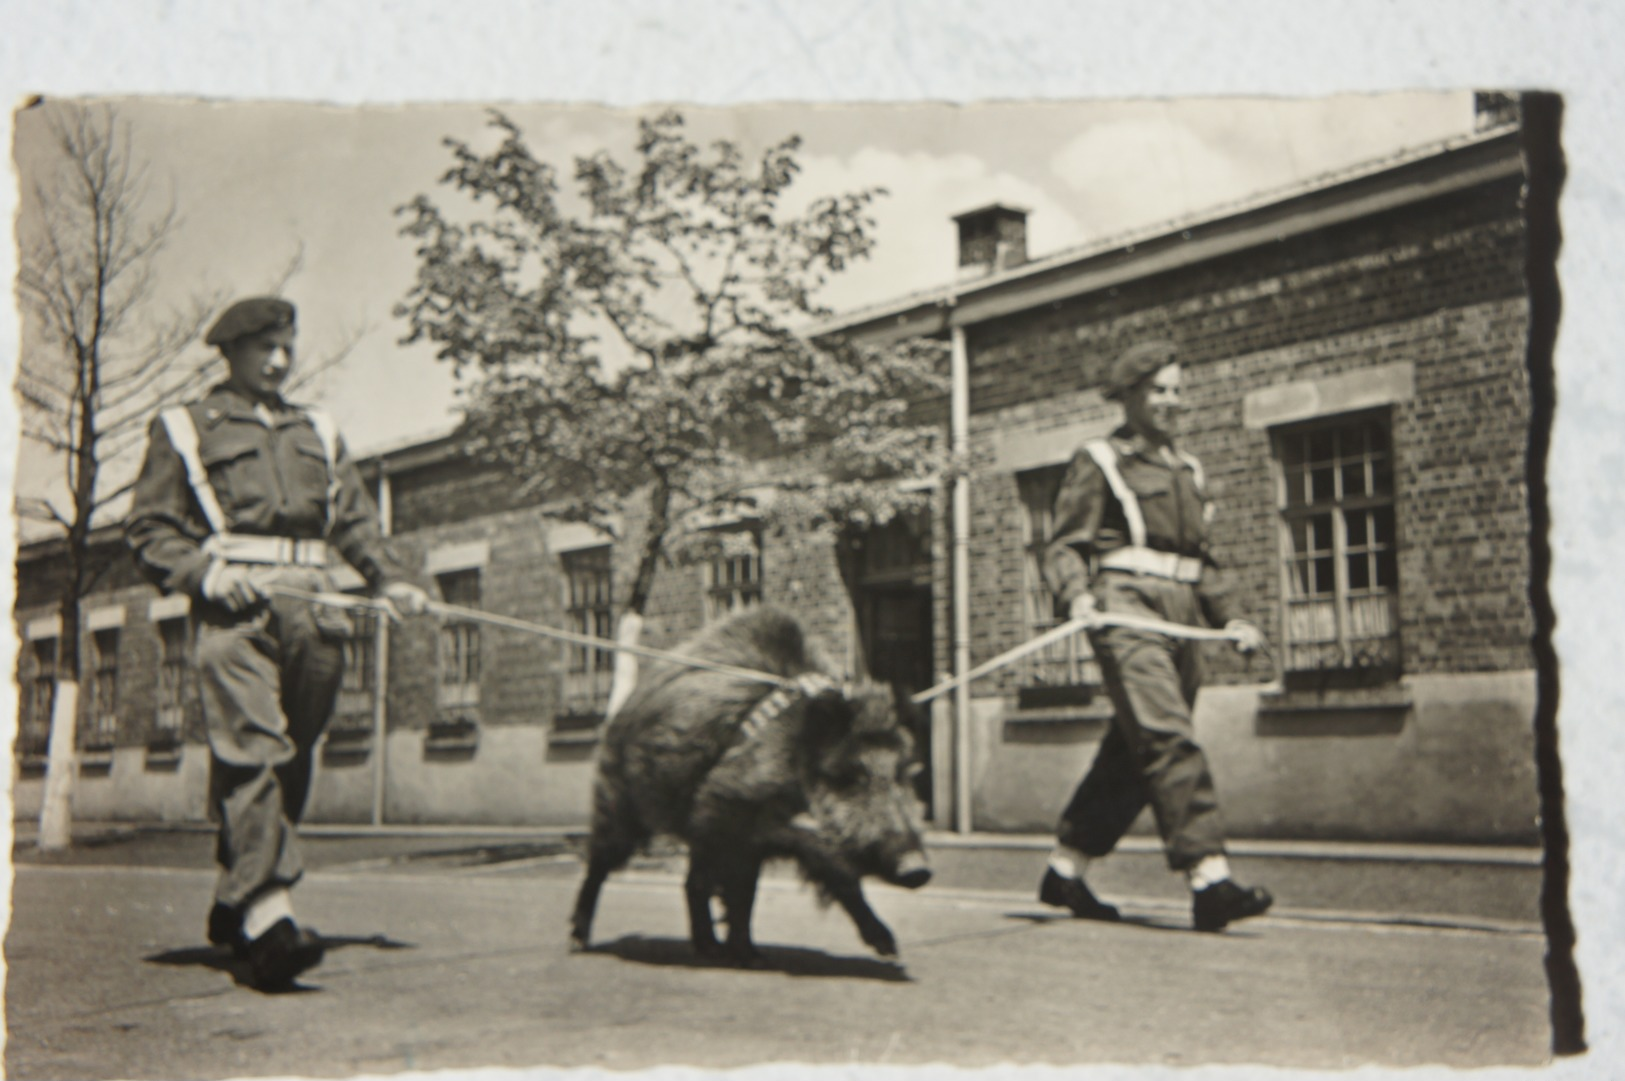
{"x":39,"y":695}
{"x":1339,"y":550}
{"x":174,"y":673}
{"x":358,"y":683}
{"x":589,"y":609}
{"x":1070,"y":662}
{"x":460,"y":641}
{"x":733,"y":576}
{"x":101,"y":719}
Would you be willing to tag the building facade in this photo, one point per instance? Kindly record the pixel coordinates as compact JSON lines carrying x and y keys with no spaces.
{"x":1355,"y":372}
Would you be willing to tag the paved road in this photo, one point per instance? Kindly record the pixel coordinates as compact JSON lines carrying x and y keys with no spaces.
{"x":445,"y":962}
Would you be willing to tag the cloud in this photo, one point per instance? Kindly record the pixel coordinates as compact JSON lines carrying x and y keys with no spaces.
{"x":1159,"y":160}
{"x":916,"y":245}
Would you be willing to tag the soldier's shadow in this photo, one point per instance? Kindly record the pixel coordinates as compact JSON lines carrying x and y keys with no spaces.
{"x":1144,"y":923}
{"x":778,"y":960}
{"x":223,"y":960}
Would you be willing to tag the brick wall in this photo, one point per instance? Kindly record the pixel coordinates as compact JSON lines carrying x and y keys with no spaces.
{"x":1438,"y":284}
{"x":139,"y":653}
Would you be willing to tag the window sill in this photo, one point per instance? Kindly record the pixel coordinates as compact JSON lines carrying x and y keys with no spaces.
{"x":576,"y":728}
{"x":458,"y":737}
{"x":163,"y":752}
{"x":1347,"y":711}
{"x":1392,"y":696}
{"x":1100,"y":709}
{"x":347,"y":743}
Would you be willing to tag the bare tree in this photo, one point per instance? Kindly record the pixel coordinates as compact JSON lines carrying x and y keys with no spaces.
{"x":101,"y":358}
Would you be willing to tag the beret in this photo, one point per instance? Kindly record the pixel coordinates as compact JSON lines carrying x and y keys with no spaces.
{"x":1142,"y":361}
{"x":251,"y":316}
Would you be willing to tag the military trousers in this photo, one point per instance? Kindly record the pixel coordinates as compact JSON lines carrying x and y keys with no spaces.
{"x":1150,"y":753}
{"x":269,"y":678}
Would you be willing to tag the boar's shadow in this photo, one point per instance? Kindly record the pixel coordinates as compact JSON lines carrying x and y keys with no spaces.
{"x":779,"y":960}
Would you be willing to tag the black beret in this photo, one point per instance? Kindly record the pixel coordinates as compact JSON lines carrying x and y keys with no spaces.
{"x":252,"y":316}
{"x":1137,"y":364}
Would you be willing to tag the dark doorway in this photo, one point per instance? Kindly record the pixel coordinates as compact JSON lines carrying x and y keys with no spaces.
{"x":890,"y":577}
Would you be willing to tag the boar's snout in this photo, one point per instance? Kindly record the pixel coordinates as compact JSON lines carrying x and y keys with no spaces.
{"x":912,"y":870}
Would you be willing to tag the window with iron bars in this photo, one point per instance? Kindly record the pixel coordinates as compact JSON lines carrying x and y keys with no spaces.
{"x":174,"y":675}
{"x":39,"y":695}
{"x":1069,"y":662}
{"x":588,"y":609}
{"x":101,"y":719}
{"x":733,"y":576}
{"x":1339,"y":563}
{"x":358,"y":683}
{"x":460,"y":642}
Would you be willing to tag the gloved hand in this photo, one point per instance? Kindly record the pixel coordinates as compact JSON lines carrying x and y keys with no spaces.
{"x":1084,"y":604}
{"x":233,"y":587}
{"x":405,"y":597}
{"x":1248,"y":638}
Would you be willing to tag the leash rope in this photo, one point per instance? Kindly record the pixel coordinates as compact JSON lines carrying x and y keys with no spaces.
{"x":1092,"y":621}
{"x":341,"y":600}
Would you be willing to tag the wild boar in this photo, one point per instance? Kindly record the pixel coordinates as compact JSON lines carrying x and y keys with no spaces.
{"x":745,"y":772}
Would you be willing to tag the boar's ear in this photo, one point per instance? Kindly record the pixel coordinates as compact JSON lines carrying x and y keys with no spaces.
{"x":829,"y":715}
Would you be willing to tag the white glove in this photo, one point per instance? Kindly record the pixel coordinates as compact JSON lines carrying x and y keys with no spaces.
{"x":1248,"y":638}
{"x":406,"y":597}
{"x":232,"y":586}
{"x":1084,"y":604}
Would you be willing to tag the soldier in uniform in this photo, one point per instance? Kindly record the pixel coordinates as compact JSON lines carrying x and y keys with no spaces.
{"x":1131,"y":536}
{"x":241,"y":491}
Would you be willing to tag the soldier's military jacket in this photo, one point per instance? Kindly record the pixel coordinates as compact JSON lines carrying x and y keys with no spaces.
{"x":269,"y":470}
{"x":1089,"y":520}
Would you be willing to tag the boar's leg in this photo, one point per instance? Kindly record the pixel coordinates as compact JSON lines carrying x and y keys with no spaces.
{"x":831,"y":874}
{"x":849,"y":892}
{"x":698,"y":888}
{"x":739,"y":897}
{"x":604,"y":856}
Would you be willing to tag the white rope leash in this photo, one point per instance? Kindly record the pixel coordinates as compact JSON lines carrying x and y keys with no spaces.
{"x":1055,"y":634}
{"x":1091,"y":621}
{"x":342,"y":600}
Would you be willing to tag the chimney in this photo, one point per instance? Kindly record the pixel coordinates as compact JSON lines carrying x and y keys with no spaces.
{"x":991,"y":238}
{"x":1495,"y":108}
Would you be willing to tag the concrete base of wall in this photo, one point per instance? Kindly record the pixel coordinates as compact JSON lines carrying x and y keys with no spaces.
{"x":1456,"y":766}
{"x":130,"y":786}
{"x":510,"y":776}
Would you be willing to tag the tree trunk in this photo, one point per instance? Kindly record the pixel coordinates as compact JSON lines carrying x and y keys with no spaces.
{"x":56,"y":811}
{"x":630,"y":627}
{"x":56,"y":808}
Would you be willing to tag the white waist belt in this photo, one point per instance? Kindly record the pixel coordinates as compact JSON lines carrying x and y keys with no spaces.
{"x":241,"y":548}
{"x":1150,"y":561}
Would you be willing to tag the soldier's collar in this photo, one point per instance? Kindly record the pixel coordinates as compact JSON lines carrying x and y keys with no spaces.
{"x":226,"y":400}
{"x":1132,"y":442}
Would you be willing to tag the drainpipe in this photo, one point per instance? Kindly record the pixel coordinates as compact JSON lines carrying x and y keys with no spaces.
{"x":959,"y":433}
{"x":380,"y":693}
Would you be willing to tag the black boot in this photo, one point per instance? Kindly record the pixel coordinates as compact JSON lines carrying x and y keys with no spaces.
{"x":226,"y":927}
{"x":1072,"y":894}
{"x":281,"y":954}
{"x":1225,"y":902}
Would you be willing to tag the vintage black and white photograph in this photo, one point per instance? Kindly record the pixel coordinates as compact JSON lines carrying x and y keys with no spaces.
{"x":1065,"y":582}
{"x":564,"y":586}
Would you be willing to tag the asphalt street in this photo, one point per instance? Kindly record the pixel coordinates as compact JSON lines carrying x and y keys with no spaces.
{"x":445,"y":956}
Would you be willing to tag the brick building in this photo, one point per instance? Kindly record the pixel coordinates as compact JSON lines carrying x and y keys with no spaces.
{"x":1355,"y":366}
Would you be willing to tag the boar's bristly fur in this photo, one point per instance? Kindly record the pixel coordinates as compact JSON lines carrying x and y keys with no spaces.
{"x":745,"y":772}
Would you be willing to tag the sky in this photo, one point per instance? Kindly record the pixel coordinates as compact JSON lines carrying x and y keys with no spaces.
{"x":257,"y":183}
